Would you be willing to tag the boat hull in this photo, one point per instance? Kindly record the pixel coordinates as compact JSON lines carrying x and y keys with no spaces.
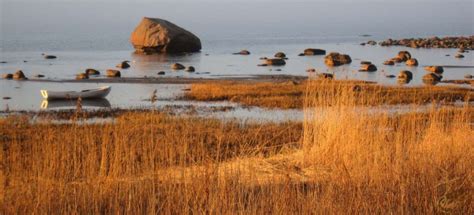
{"x":98,"y":93}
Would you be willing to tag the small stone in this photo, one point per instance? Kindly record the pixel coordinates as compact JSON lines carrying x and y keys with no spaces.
{"x":190,"y":69}
{"x":39,"y":76}
{"x":19,"y":75}
{"x":92,"y":72}
{"x":113,"y":73}
{"x":7,"y":76}
{"x":82,"y":76}
{"x":123,"y":65}
{"x":50,"y":57}
{"x":7,"y":98}
{"x":243,"y":52}
{"x":468,"y":76}
{"x":459,"y":56}
{"x":177,"y":66}
{"x":161,"y":73}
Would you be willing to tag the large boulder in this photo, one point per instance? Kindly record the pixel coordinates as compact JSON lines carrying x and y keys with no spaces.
{"x":155,"y":35}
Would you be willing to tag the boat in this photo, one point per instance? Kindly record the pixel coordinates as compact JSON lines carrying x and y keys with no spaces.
{"x":97,"y":93}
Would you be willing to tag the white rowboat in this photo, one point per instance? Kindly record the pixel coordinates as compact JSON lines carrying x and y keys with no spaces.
{"x":84,"y":94}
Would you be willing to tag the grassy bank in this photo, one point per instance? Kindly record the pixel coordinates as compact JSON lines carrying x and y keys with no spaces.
{"x":343,"y":158}
{"x":291,"y":94}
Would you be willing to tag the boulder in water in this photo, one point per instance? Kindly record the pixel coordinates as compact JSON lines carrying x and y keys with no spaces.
{"x":154,"y":35}
{"x":177,"y":66}
{"x":19,"y":75}
{"x":112,"y":73}
{"x":311,"y":51}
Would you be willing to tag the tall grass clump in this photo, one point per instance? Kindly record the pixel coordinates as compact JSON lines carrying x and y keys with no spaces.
{"x":416,"y":162}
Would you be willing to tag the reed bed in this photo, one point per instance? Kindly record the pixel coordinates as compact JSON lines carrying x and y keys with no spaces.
{"x":343,"y":159}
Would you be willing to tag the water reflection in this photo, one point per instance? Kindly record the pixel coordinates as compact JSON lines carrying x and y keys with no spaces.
{"x":71,"y":104}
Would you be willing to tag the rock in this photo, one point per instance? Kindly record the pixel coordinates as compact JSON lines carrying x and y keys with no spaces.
{"x":301,"y":54}
{"x":432,"y":77}
{"x":435,"y":69}
{"x":404,"y":55}
{"x":190,"y":69}
{"x":326,"y":76}
{"x":365,"y":62}
{"x":123,"y":65}
{"x":459,"y":56}
{"x":371,"y":42}
{"x":92,"y":72}
{"x":336,"y":59}
{"x":161,"y":73}
{"x":112,"y":73}
{"x":390,"y":76}
{"x":7,"y":76}
{"x":275,"y":62}
{"x":82,"y":76}
{"x":263,"y":64}
{"x":363,"y":44}
{"x":263,"y":58}
{"x":3,"y":62}
{"x":19,"y":75}
{"x":154,"y":35}
{"x":311,"y":51}
{"x":405,"y":75}
{"x":50,"y":57}
{"x":412,"y":62}
{"x":39,"y":76}
{"x":243,"y":52}
{"x":280,"y":55}
{"x":468,"y":76}
{"x":389,"y":63}
{"x":368,"y":68}
{"x":7,"y":98}
{"x":397,"y":60}
{"x":311,"y":70}
{"x":177,"y":66}
{"x":461,"y":50}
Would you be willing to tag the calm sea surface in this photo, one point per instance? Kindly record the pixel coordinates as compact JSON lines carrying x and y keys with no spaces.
{"x":95,"y":35}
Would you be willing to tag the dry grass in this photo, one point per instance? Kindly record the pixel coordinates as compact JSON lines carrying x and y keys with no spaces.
{"x":291,"y":94}
{"x":343,"y":159}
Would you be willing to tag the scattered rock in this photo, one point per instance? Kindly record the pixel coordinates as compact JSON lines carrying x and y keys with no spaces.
{"x":404,"y":55}
{"x":434,"y":42}
{"x":336,"y":59}
{"x":154,"y":35}
{"x":263,"y":64}
{"x":7,"y":98}
{"x":280,"y":55}
{"x":161,"y":73}
{"x":50,"y":57}
{"x":412,"y":62}
{"x":301,"y":54}
{"x":311,"y":70}
{"x":177,"y":66}
{"x":368,"y":68}
{"x":405,"y":75}
{"x":371,"y":42}
{"x":92,"y":72}
{"x":396,"y":60}
{"x":243,"y":52}
{"x":275,"y":62}
{"x":19,"y":75}
{"x":468,"y":76}
{"x":390,"y":76}
{"x":311,"y":51}
{"x":365,"y":62}
{"x":112,"y":73}
{"x":39,"y":76}
{"x":123,"y":65}
{"x":432,"y":77}
{"x":389,"y":63}
{"x":363,"y":44}
{"x":190,"y":69}
{"x":326,"y":76}
{"x":459,"y":56}
{"x":263,"y":58}
{"x":435,"y":69}
{"x":7,"y":76}
{"x":3,"y":62}
{"x":82,"y":76}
